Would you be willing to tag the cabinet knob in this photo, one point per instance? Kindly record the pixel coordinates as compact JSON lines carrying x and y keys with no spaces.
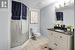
{"x":55,"y":44}
{"x":51,"y":33}
{"x":60,"y":36}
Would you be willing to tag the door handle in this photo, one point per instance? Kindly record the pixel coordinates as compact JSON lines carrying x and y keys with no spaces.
{"x":60,"y":36}
{"x":55,"y":44}
{"x":51,"y":33}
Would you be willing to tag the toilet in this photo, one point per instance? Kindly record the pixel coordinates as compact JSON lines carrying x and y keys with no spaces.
{"x":36,"y":32}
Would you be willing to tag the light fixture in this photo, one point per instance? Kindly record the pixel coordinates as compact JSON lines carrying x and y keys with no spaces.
{"x":57,"y":5}
{"x":72,"y":1}
{"x":66,"y":1}
{"x":63,"y":3}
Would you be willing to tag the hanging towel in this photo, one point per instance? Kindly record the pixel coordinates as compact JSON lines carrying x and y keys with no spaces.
{"x":24,"y":26}
{"x":16,"y":10}
{"x":24,"y":11}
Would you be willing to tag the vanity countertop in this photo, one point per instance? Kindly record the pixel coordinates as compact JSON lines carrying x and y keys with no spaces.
{"x":65,"y":32}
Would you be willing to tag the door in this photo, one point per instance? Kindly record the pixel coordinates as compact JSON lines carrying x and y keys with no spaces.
{"x":62,"y":41}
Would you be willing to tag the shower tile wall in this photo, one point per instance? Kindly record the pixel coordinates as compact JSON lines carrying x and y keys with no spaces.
{"x":17,"y":37}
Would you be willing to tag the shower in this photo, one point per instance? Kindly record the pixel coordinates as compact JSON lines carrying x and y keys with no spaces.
{"x":19,"y":24}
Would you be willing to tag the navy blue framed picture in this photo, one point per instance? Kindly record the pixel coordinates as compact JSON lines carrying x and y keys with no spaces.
{"x":24,"y":12}
{"x":19,"y":11}
{"x":59,"y":16}
{"x":16,"y":10}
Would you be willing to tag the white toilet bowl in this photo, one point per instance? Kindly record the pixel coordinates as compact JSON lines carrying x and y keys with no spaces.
{"x":37,"y":34}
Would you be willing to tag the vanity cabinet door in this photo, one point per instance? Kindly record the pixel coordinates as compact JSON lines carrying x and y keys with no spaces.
{"x":52,"y":40}
{"x":62,"y":41}
{"x":65,"y":42}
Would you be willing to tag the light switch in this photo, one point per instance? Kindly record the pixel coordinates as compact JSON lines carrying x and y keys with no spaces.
{"x":3,"y":3}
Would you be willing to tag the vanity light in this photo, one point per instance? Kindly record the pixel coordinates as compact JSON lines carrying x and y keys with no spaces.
{"x":72,"y":1}
{"x":66,"y":2}
{"x":63,"y":3}
{"x":57,"y":5}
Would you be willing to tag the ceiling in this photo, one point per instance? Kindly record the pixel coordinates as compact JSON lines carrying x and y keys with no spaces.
{"x":38,"y":4}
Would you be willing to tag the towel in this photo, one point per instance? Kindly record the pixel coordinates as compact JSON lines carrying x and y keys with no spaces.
{"x":24,"y":26}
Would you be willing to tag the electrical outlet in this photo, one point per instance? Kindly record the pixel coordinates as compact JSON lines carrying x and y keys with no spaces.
{"x":18,"y":41}
{"x":3,"y":3}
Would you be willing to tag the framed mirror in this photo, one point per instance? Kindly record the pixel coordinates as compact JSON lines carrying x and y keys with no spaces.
{"x":65,"y":15}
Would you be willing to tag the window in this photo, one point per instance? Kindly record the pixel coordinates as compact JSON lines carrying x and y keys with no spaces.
{"x":34,"y":17}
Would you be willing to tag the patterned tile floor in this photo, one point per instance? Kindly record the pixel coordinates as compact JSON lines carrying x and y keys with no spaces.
{"x":38,"y":44}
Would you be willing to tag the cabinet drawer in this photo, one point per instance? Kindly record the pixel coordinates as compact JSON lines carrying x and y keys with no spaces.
{"x":59,"y":41}
{"x":62,"y":37}
{"x":53,"y":45}
{"x":62,"y":41}
{"x":53,"y":34}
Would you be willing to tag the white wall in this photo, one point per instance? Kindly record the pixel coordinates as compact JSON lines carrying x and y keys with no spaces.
{"x":47,"y":18}
{"x":5,"y":27}
{"x":69,"y":16}
{"x":74,"y":28}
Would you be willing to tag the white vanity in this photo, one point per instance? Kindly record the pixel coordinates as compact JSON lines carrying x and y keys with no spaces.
{"x":60,"y":40}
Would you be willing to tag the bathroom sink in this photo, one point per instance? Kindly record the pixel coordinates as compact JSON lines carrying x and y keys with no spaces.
{"x":59,"y":30}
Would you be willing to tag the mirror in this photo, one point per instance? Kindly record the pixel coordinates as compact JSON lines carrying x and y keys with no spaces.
{"x":65,"y":15}
{"x":19,"y":24}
